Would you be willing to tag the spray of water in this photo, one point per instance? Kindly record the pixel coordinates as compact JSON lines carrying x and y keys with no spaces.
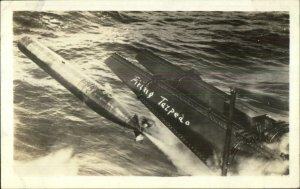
{"x":253,"y":166}
{"x":185,"y":160}
{"x":188,"y":163}
{"x":59,"y":163}
{"x":259,"y":167}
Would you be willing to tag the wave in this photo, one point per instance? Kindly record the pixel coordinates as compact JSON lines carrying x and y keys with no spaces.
{"x":243,"y":49}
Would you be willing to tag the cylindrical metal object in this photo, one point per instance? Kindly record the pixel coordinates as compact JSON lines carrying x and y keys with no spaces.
{"x":90,"y":92}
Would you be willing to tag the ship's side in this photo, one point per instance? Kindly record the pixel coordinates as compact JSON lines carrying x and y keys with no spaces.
{"x":197,"y":126}
{"x":257,"y":124}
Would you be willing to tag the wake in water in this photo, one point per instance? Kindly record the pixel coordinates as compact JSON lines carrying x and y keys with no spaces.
{"x":188,"y":163}
{"x":252,"y":166}
{"x":256,"y":167}
{"x":59,"y":163}
{"x":184,"y":159}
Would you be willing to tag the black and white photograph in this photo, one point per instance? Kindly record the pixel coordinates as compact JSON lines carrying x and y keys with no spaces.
{"x":154,"y":94}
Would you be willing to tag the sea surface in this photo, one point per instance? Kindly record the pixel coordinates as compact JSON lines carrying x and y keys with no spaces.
{"x":56,"y":134}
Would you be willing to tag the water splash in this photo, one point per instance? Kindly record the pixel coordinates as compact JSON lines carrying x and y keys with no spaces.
{"x":188,"y":163}
{"x":185,"y":160}
{"x":261,"y":167}
{"x":252,"y":166}
{"x":59,"y":163}
{"x":100,"y":164}
{"x":281,"y":146}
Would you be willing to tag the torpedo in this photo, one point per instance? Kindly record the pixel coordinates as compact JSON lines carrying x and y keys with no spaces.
{"x":94,"y":95}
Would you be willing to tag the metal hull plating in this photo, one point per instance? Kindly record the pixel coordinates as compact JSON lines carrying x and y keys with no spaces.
{"x":200,"y":129}
{"x":249,"y":118}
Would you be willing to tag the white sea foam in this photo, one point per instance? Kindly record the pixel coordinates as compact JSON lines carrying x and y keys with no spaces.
{"x":188,"y":163}
{"x":256,"y":167}
{"x":184,"y":159}
{"x":56,"y":163}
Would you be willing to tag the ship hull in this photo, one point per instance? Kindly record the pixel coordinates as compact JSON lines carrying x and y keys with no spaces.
{"x":248,"y":117}
{"x":200,"y":129}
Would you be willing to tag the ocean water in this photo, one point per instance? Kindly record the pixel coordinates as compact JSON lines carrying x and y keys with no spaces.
{"x":56,"y":134}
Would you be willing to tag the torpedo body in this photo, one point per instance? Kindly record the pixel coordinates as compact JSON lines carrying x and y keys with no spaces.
{"x":94,"y":95}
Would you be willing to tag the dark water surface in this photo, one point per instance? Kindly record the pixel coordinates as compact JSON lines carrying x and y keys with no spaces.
{"x":248,"y":50}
